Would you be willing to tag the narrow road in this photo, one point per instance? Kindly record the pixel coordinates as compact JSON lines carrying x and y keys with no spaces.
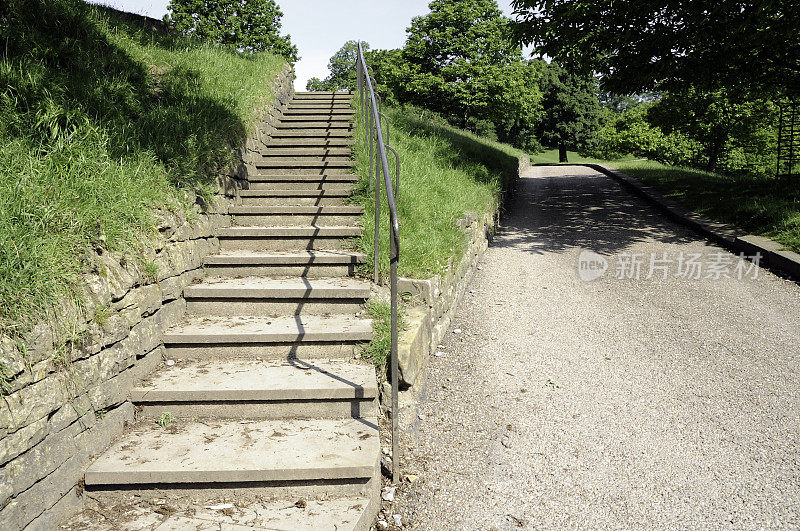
{"x":614,"y":403}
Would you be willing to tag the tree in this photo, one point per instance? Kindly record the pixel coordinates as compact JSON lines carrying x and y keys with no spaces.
{"x":460,"y":61}
{"x":247,"y":25}
{"x":342,"y":67}
{"x":571,"y":110}
{"x":721,"y":122}
{"x":635,"y":46}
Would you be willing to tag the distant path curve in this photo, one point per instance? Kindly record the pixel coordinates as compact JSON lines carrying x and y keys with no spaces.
{"x":612,"y":403}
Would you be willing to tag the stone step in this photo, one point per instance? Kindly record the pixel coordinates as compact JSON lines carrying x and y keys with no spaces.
{"x":340,"y":514}
{"x":311,"y":142}
{"x":289,"y":337}
{"x":331,"y":169}
{"x":276,"y":296}
{"x":302,"y":151}
{"x":260,"y":389}
{"x":325,"y":125}
{"x":303,"y":181}
{"x":271,"y":196}
{"x":312,"y":163}
{"x":320,"y":107}
{"x":331,"y":117}
{"x":323,"y":94}
{"x":314,"y":458}
{"x":290,"y":215}
{"x":285,"y":238}
{"x":304,"y":263}
{"x":311,"y":133}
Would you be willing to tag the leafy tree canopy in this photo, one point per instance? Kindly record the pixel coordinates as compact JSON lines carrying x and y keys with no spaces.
{"x":460,"y":60}
{"x":342,"y":69}
{"x":636,"y":46}
{"x":248,"y":25}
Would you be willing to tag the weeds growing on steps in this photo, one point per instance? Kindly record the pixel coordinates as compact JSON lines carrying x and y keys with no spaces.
{"x":380,"y":346}
{"x":445,"y":173}
{"x":104,"y":117}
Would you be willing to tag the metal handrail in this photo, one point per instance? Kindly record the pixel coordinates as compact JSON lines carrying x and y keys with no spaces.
{"x":370,"y":103}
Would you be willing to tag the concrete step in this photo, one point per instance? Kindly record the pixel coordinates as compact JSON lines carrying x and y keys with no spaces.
{"x":312,"y":163}
{"x":303,"y":151}
{"x":260,"y":389}
{"x":285,"y":238}
{"x":271,"y":197}
{"x":340,"y":514}
{"x":289,"y":215}
{"x":304,"y":337}
{"x":304,"y":263}
{"x":313,"y":125}
{"x":295,"y":116}
{"x":266,"y":180}
{"x":314,"y":458}
{"x":323,"y":94}
{"x":276,"y":296}
{"x":320,"y":107}
{"x":311,"y":133}
{"x":312,"y":142}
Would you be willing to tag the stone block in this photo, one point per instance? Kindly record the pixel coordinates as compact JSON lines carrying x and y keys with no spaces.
{"x":413,"y":345}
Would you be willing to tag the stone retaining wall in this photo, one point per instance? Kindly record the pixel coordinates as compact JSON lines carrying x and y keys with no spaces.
{"x":67,"y":382}
{"x":434,"y":301}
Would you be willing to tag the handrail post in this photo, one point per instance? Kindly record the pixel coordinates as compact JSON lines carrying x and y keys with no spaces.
{"x":376,"y":261}
{"x":393,"y":258}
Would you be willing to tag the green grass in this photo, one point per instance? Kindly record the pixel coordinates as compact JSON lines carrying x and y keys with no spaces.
{"x":104,"y":118}
{"x":445,"y":173}
{"x":380,"y":346}
{"x":758,"y":205}
{"x":550,"y":156}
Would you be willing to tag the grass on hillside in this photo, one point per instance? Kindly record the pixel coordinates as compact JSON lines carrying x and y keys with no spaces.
{"x":758,"y":205}
{"x":445,"y":173}
{"x":104,"y":117}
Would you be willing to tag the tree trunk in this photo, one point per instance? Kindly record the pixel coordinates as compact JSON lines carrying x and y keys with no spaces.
{"x":562,"y":153}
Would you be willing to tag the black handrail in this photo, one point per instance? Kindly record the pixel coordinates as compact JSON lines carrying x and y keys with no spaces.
{"x":370,"y":106}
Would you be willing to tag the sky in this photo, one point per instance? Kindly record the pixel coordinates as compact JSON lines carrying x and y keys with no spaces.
{"x":320,"y":27}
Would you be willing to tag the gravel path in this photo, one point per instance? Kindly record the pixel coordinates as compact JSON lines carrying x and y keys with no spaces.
{"x":612,"y":403}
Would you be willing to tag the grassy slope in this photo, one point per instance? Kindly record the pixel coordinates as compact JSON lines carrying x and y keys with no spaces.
{"x":102,"y":119}
{"x":445,"y":173}
{"x":757,"y":205}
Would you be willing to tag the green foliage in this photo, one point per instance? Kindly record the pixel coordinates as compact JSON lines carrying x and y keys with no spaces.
{"x":104,"y":117}
{"x":165,"y":419}
{"x":571,"y":110}
{"x":246,"y":25}
{"x":342,"y":70}
{"x":380,"y":347}
{"x":445,"y":174}
{"x":708,"y":130}
{"x":756,"y":204}
{"x":629,"y":133}
{"x":666,"y":45}
{"x":460,"y":61}
{"x":737,"y":134}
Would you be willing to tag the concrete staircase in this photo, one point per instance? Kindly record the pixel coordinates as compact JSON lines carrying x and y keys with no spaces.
{"x":268,"y":399}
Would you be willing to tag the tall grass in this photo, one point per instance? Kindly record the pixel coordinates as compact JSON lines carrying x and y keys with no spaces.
{"x":445,"y":173}
{"x":103,"y":118}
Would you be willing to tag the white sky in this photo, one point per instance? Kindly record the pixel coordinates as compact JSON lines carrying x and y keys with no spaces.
{"x":320,"y":27}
